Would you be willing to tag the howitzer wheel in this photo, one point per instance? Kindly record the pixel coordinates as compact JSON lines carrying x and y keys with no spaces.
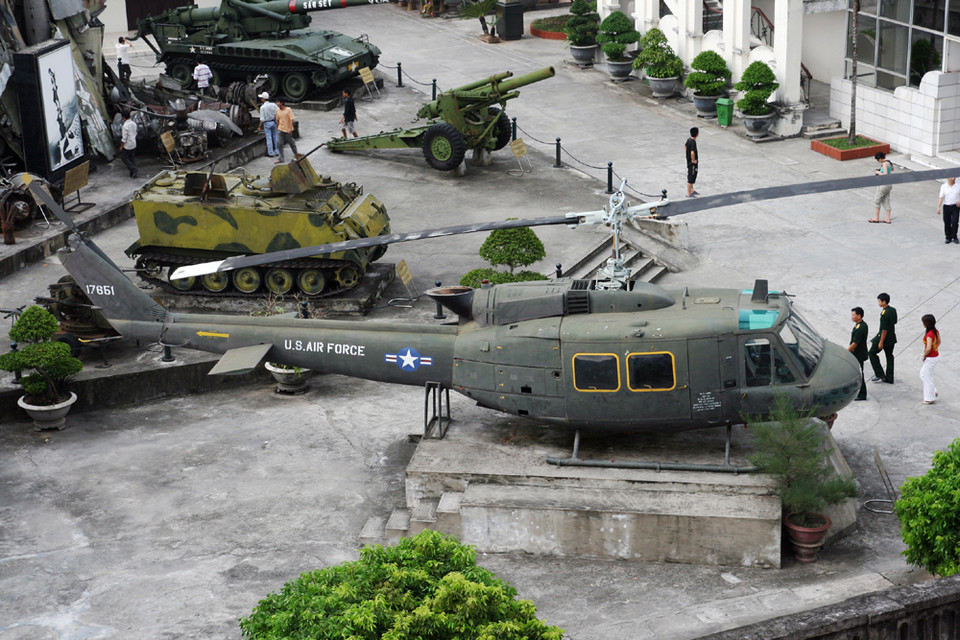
{"x":348,"y":276}
{"x":311,"y":281}
{"x":215,"y":282}
{"x":279,"y":281}
{"x":246,"y":280}
{"x":181,"y":71}
{"x":443,"y":147}
{"x":296,"y":85}
{"x":503,"y":129}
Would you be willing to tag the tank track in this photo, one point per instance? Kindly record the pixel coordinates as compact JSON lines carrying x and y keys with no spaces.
{"x":167,"y":260}
{"x":253,"y":69}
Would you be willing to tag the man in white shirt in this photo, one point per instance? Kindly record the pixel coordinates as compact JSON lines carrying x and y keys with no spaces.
{"x":268,"y":123}
{"x":128,"y":146}
{"x":948,"y":207}
{"x":202,"y":74}
{"x":123,"y":61}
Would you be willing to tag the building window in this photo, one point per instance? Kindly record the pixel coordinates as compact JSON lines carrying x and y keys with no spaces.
{"x":900,"y":40}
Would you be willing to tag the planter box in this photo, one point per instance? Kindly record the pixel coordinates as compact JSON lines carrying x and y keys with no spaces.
{"x":547,"y":35}
{"x":848,"y":154}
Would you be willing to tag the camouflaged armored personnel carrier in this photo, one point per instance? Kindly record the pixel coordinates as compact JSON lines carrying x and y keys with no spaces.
{"x":187,"y":218}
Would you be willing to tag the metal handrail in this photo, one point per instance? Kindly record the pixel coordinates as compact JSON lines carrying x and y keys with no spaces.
{"x":762,"y":27}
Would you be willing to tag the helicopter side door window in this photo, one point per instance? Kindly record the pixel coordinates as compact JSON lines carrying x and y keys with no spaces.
{"x":596,"y":372}
{"x":764,"y":364}
{"x":651,"y":372}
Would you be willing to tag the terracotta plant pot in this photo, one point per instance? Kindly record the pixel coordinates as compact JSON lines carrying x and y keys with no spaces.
{"x":48,"y":416}
{"x":848,"y":154}
{"x":806,"y":540}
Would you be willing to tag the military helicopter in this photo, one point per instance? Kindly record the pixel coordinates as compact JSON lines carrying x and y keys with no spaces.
{"x":593,"y":355}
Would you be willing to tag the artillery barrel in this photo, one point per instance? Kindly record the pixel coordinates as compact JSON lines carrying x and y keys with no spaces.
{"x":486,"y":81}
{"x":522,"y":81}
{"x":307,"y":6}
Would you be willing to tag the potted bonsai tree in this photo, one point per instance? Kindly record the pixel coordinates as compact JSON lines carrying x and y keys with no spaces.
{"x":49,"y":364}
{"x":662,"y":64}
{"x":708,"y":80}
{"x":581,"y":31}
{"x":792,"y":447}
{"x":616,"y":33}
{"x":758,"y":82}
{"x":480,"y":9}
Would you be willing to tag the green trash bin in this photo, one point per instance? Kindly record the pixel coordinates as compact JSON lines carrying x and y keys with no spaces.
{"x":724,"y":112}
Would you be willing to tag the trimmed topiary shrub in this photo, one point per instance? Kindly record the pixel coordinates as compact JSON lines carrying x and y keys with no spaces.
{"x":616,"y":32}
{"x":427,"y":587}
{"x":51,"y":364}
{"x":759,"y":83}
{"x":518,"y":247}
{"x":582,"y":26}
{"x":709,"y":74}
{"x":657,"y":56}
{"x":929,"y":513}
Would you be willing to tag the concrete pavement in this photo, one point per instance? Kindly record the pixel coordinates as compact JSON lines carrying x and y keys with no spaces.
{"x":173,"y":518}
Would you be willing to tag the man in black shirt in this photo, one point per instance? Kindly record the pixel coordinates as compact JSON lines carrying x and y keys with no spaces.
{"x":693,"y":161}
{"x":858,"y":346}
{"x":349,"y":115}
{"x":884,"y":341}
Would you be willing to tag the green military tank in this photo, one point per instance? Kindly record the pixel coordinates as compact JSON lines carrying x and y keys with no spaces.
{"x":187,"y":218}
{"x":242,"y":39}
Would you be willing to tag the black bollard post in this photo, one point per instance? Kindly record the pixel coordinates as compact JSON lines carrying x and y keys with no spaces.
{"x":439,"y":315}
{"x":167,"y":354}
{"x":559,"y":270}
{"x":304,"y":309}
{"x":16,"y":374}
{"x":609,"y":177}
{"x":558,"y":164}
{"x":434,"y":89}
{"x":514,"y":119}
{"x":399,"y":75}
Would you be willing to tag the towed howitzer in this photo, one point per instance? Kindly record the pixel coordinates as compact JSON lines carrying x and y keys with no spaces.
{"x":241,"y":39}
{"x":468,"y":119}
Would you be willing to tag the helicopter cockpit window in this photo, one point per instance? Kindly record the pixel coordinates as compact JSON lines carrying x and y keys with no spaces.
{"x":803,"y":341}
{"x":765,"y":364}
{"x":596,"y":372}
{"x":650,"y":372}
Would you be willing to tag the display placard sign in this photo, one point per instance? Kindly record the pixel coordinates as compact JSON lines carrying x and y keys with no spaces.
{"x":49,"y":111}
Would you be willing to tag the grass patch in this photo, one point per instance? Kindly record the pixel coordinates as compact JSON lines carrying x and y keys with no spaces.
{"x":553,"y":23}
{"x":844,"y":143}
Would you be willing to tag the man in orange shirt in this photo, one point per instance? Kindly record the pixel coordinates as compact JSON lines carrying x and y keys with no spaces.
{"x":285,"y":130}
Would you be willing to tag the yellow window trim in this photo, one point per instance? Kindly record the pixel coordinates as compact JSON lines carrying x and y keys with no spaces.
{"x":574,"y":366}
{"x":673,"y":364}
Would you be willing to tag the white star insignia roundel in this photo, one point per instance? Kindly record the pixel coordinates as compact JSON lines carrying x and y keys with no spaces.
{"x":408,"y":359}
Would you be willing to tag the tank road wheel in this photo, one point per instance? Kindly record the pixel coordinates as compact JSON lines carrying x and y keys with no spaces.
{"x":320,"y":78}
{"x":279,"y":281}
{"x":215,"y":282}
{"x":443,"y":147}
{"x":311,"y":281}
{"x":181,"y":71}
{"x":347,"y":276}
{"x":503,"y":129}
{"x":296,"y":85}
{"x":246,"y":280}
{"x":181,"y":284}
{"x":272,"y":84}
{"x":150,"y":268}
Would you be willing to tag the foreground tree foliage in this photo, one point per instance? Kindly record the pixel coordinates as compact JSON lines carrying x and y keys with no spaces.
{"x":929,"y":513}
{"x":427,"y":587}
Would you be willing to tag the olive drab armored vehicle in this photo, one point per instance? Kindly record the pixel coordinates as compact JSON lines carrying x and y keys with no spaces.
{"x":242,"y":39}
{"x":187,"y":218}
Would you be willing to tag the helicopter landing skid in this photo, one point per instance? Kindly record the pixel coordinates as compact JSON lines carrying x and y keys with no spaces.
{"x":576,"y":461}
{"x":436,"y":410}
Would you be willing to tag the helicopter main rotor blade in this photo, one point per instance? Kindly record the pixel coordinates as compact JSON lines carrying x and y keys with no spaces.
{"x":239,"y":262}
{"x":691,"y":205}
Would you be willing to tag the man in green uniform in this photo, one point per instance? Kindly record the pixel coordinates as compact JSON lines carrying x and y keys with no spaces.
{"x":884,"y":340}
{"x":858,"y":346}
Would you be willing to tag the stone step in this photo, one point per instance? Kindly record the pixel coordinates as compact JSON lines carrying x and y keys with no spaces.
{"x":652,"y":274}
{"x":373,"y":531}
{"x":398,"y":525}
{"x":423,"y":516}
{"x":448,"y":513}
{"x":816,"y":134}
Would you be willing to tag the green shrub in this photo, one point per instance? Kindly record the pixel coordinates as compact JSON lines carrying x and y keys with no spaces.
{"x":759,"y":83}
{"x":476,"y":277}
{"x":51,"y":362}
{"x":582,"y":26}
{"x":929,"y":513}
{"x":657,"y":56}
{"x":616,"y":32}
{"x":512,"y":247}
{"x":709,"y":74}
{"x":792,"y":447}
{"x":426,"y":587}
{"x":480,"y":9}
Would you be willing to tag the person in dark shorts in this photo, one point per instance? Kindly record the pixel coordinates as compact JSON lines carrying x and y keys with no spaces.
{"x":693,"y":161}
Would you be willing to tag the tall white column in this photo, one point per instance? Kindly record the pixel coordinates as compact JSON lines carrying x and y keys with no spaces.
{"x":736,"y":35}
{"x":691,"y":28}
{"x":648,"y":15}
{"x":787,"y":39}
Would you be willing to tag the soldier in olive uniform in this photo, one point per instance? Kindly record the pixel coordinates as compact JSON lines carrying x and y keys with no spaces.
{"x":858,"y":346}
{"x":884,"y":340}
